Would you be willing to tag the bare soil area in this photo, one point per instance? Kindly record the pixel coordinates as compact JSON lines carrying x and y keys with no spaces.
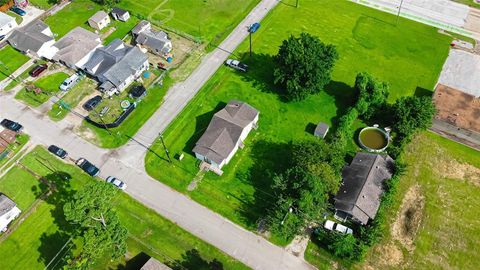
{"x":460,"y":171}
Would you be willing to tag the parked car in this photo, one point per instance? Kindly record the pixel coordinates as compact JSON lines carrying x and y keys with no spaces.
{"x":57,"y":151}
{"x":19,"y":11}
{"x":117,"y":183}
{"x":2,"y":37}
{"x":39,"y":69}
{"x":254,"y":27}
{"x":71,"y":81}
{"x":92,"y":103}
{"x":333,"y":226}
{"x":87,"y":167}
{"x":12,"y":125}
{"x":235,"y":64}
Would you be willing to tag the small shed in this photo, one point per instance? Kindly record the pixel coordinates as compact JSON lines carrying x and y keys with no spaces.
{"x":321,"y":130}
{"x":100,"y":20}
{"x":120,"y":14}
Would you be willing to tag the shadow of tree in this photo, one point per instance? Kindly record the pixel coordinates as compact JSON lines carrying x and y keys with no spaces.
{"x":193,"y":260}
{"x":269,"y":158}
{"x":201,"y":124}
{"x":51,"y":244}
{"x":345,"y":96}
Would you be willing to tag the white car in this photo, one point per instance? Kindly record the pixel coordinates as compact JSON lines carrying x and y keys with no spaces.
{"x":236,"y":65}
{"x":70,"y":82}
{"x":332,"y":226}
{"x":117,"y":183}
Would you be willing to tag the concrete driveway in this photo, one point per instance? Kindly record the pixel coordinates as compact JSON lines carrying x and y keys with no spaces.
{"x":32,"y":14}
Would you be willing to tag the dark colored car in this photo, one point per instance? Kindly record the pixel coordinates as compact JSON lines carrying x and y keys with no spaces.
{"x":88,"y":167}
{"x":2,"y":37}
{"x":92,"y":103}
{"x":19,"y":11}
{"x":57,"y":151}
{"x":12,"y":125}
{"x":254,"y":27}
{"x":36,"y":71}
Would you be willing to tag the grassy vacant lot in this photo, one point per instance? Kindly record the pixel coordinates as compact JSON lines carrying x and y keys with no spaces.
{"x":75,"y":14}
{"x":11,"y":60}
{"x":207,"y":20}
{"x":36,"y":241}
{"x":72,"y":98}
{"x":121,"y":29}
{"x":14,"y":149}
{"x":49,"y":85}
{"x":43,"y":4}
{"x":367,"y":40}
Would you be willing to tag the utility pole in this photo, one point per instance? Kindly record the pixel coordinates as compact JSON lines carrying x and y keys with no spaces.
{"x":165,"y":148}
{"x":290,"y":210}
{"x":103,"y":122}
{"x":250,"y":44}
{"x":399,"y":11}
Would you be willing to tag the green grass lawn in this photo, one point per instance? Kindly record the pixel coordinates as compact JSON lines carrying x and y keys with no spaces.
{"x":22,"y":139}
{"x":408,"y":56}
{"x":42,"y":234}
{"x":72,"y":98}
{"x":10,"y":60}
{"x":49,"y":85}
{"x":471,"y":3}
{"x":75,"y":14}
{"x":43,"y":4}
{"x":210,"y":21}
{"x":122,"y":29}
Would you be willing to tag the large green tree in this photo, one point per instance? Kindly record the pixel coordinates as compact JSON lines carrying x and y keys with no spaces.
{"x":411,"y":114}
{"x":303,"y":66}
{"x":372,"y":95}
{"x":98,"y":231}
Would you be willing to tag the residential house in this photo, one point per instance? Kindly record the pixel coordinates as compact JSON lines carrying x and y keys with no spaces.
{"x":116,"y":66}
{"x":35,"y":39}
{"x":7,"y":24}
{"x":225,"y":134}
{"x":75,"y":48}
{"x":99,"y":20}
{"x":156,"y":42}
{"x":321,"y":130}
{"x":362,"y":187}
{"x":120,"y":14}
{"x":8,"y":211}
{"x":153,"y":264}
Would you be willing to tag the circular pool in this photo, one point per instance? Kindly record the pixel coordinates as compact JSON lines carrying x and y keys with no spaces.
{"x":373,"y":139}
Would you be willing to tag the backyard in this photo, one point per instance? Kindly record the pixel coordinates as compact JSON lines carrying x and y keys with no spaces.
{"x":49,"y":86}
{"x":71,"y":99}
{"x":10,"y":60}
{"x":366,"y":39}
{"x":44,"y":231}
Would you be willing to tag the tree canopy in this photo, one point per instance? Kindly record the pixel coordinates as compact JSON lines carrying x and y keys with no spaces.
{"x":372,"y":95}
{"x":97,"y":228}
{"x":303,"y":66}
{"x":411,"y":114}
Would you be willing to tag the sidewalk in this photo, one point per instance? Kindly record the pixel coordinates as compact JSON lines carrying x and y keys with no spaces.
{"x":16,"y":73}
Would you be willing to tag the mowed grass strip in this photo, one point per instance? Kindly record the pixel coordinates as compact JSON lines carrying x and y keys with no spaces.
{"x":10,"y":60}
{"x":49,"y":85}
{"x":43,"y":233}
{"x":409,"y":56}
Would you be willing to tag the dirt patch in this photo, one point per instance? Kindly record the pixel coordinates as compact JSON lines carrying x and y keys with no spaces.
{"x":460,"y":171}
{"x":409,"y":218}
{"x":391,"y":255}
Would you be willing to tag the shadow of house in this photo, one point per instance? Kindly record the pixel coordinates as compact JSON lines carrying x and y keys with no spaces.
{"x":201,"y":124}
{"x":269,"y":159}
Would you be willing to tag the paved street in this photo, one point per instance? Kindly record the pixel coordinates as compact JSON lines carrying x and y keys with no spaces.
{"x":127,"y":162}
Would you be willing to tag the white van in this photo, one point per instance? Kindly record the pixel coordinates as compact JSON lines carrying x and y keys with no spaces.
{"x":70,"y":82}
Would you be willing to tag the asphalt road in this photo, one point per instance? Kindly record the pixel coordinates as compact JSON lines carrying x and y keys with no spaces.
{"x":127,"y":163}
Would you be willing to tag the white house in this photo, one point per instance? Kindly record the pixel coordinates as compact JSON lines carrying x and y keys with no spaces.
{"x":116,"y":66}
{"x":7,"y":24}
{"x":76,"y":48}
{"x":155,"y":41}
{"x":35,"y":39}
{"x":99,"y":20}
{"x":120,"y":14}
{"x":8,"y":212}
{"x":225,"y":134}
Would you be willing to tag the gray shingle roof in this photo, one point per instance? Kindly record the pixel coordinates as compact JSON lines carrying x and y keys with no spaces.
{"x":115,"y":62}
{"x":119,"y":11}
{"x":30,"y":37}
{"x":321,"y":130}
{"x":362,"y":185}
{"x":141,"y":26}
{"x":99,"y":16}
{"x":5,"y":19}
{"x":153,"y":264}
{"x":145,"y":35}
{"x":74,"y":46}
{"x":224,"y":131}
{"x":6,"y":204}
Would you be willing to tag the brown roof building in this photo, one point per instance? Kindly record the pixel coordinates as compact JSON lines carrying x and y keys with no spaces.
{"x":226,"y":132}
{"x":360,"y":193}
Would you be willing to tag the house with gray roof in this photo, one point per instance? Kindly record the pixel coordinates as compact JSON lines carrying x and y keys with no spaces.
{"x":8,"y":211}
{"x":155,"y":41}
{"x":35,"y":39}
{"x":120,"y":14}
{"x":225,"y":134}
{"x":153,"y":264}
{"x":116,"y":66}
{"x":362,"y":187}
{"x":75,"y":48}
{"x":99,"y":20}
{"x":7,"y":23}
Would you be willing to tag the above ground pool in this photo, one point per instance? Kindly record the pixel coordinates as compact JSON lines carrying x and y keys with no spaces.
{"x":373,"y":139}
